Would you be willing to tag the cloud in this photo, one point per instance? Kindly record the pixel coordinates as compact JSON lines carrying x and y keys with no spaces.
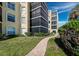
{"x":64,"y":10}
{"x":69,"y":5}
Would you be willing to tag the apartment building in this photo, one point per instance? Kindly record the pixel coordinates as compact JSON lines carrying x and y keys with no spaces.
{"x":53,"y":21}
{"x":39,"y":17}
{"x":10,"y":18}
{"x":36,"y":17}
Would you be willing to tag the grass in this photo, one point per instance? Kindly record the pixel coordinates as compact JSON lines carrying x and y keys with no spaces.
{"x":18,"y":46}
{"x":53,"y":49}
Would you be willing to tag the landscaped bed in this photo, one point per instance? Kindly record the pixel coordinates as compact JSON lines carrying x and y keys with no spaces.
{"x":18,"y":46}
{"x":53,"y":49}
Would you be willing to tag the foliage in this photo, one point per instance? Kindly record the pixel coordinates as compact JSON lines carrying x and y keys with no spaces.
{"x":28,"y":33}
{"x":12,"y":36}
{"x":70,"y":24}
{"x":41,"y":34}
{"x":69,"y":36}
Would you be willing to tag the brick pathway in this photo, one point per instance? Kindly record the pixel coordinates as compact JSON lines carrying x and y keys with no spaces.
{"x":40,"y":49}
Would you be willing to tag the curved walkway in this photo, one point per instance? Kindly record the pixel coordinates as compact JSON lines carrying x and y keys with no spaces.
{"x":40,"y":49}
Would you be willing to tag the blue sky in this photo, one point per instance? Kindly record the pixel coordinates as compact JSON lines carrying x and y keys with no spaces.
{"x":64,"y":8}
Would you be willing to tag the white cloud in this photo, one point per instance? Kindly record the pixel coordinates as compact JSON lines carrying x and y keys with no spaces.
{"x":64,"y":10}
{"x":69,"y":5}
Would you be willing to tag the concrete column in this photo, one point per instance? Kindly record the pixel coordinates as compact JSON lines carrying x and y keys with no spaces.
{"x":57,"y":21}
{"x":25,"y":27}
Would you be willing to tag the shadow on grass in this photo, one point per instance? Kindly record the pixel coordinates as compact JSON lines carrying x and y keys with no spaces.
{"x":8,"y":37}
{"x":60,"y":44}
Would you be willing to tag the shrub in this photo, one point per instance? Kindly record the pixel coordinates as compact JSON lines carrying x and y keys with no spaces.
{"x":28,"y":33}
{"x":11,"y":36}
{"x":41,"y":34}
{"x":70,"y":36}
{"x":70,"y":24}
{"x":3,"y":37}
{"x":77,"y":30}
{"x":46,"y":34}
{"x":21,"y":35}
{"x":52,"y":33}
{"x":38,"y":34}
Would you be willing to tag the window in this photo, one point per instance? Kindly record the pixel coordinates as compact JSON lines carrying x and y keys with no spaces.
{"x":78,"y":17}
{"x":49,"y":21}
{"x":36,"y":21}
{"x":54,"y":18}
{"x":23,"y":20}
{"x":54,"y":22}
{"x":36,"y":11}
{"x":11,"y":5}
{"x":11,"y":31}
{"x":35,"y":4}
{"x":48,"y":26}
{"x":11,"y":17}
{"x":23,"y":10}
{"x":54,"y":13}
{"x":54,"y":31}
{"x":54,"y":27}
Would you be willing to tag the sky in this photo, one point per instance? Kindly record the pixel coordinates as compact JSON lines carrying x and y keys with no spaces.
{"x":63,"y":8}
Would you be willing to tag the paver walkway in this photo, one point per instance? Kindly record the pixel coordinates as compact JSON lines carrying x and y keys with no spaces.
{"x":40,"y":49}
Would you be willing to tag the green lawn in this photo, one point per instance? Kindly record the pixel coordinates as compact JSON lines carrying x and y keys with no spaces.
{"x":53,"y":49}
{"x":18,"y":46}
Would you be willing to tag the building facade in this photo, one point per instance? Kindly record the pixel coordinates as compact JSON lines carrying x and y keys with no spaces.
{"x":36,"y":17}
{"x":10,"y":18}
{"x":16,"y":18}
{"x":25,"y":17}
{"x":39,"y":17}
{"x":53,"y":21}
